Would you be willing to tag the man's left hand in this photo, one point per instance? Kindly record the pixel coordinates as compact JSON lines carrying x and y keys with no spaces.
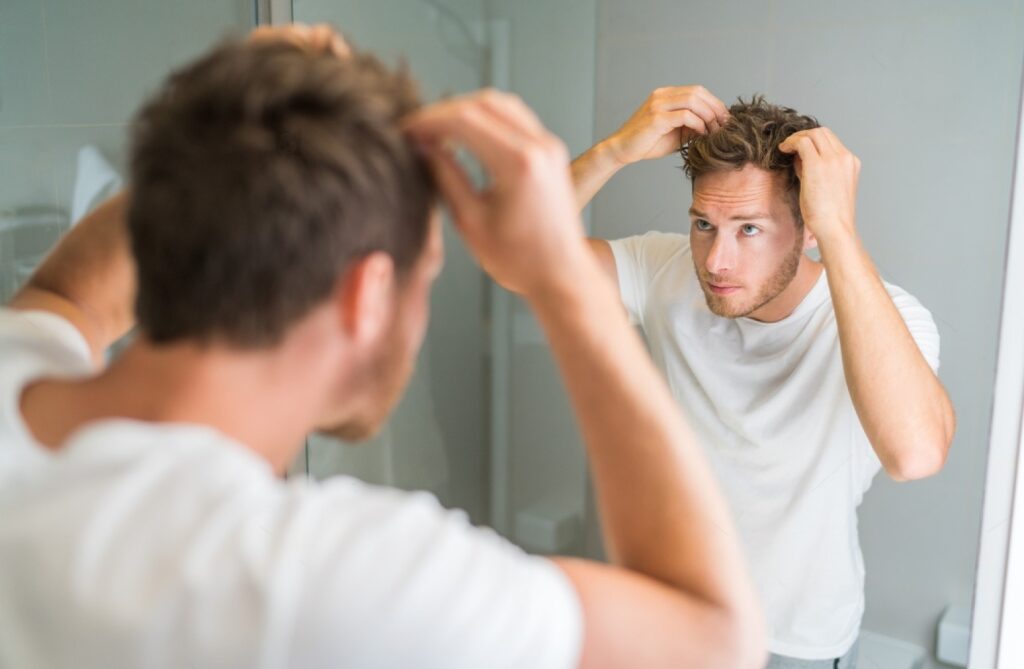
{"x":828,"y":174}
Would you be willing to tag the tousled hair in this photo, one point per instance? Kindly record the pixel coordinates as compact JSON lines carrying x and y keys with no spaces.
{"x":751,"y":136}
{"x":258,"y":174}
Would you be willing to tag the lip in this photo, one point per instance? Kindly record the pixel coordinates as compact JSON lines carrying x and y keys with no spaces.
{"x":719,"y":289}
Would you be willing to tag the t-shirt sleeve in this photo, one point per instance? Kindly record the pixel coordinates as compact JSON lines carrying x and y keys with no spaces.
{"x":920,"y":323}
{"x":638,"y":260}
{"x":391,"y":579}
{"x":43,"y":327}
{"x":33,"y":344}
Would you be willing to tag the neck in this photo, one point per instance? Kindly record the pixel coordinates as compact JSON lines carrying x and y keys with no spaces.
{"x":783,"y":304}
{"x":267,"y":401}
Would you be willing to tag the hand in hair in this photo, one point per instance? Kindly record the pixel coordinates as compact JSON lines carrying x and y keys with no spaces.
{"x":669,"y":118}
{"x":317,"y":38}
{"x":524,"y":228}
{"x":828,"y":174}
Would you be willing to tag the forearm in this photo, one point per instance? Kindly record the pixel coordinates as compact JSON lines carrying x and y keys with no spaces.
{"x":591,"y":171}
{"x":902,"y":405}
{"x":662,"y":514}
{"x":89,"y":277}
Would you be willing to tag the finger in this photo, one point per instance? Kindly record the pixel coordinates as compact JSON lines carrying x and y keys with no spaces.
{"x":511,"y":110}
{"x":801,"y":144}
{"x":684,"y":98}
{"x":685,"y":118}
{"x":457,"y":190}
{"x":324,"y":38}
{"x":721,"y":111}
{"x":318,"y":38}
{"x":463,"y":121}
{"x":821,"y":142}
{"x":835,"y":142}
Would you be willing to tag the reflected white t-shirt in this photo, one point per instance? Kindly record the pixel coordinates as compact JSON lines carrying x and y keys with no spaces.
{"x":769,"y":403}
{"x":171,"y":545}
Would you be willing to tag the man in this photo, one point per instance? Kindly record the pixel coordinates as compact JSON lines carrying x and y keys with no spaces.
{"x":282,"y":229}
{"x":801,"y":378}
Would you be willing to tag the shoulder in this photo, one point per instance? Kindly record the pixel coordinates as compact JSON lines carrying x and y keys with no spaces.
{"x":919,"y":322}
{"x":359,"y":574}
{"x":651,"y":250}
{"x":908,"y":305}
{"x":43,"y":333}
{"x":33,"y":345}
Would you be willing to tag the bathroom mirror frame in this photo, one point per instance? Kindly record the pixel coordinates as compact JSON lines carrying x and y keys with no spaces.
{"x":999,"y":591}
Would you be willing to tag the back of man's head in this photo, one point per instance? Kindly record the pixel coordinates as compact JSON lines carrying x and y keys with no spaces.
{"x":751,"y":136}
{"x":258,"y":173}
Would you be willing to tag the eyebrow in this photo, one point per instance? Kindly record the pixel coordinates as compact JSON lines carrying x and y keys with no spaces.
{"x":754,"y":216}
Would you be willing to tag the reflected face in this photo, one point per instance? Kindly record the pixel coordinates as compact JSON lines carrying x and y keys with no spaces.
{"x":745,"y":241}
{"x":384,"y":374}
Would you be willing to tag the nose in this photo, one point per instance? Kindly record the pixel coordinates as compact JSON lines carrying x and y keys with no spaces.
{"x":722,"y":257}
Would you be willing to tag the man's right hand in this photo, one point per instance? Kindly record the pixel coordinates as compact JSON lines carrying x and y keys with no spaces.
{"x":668,"y":118}
{"x":524,"y":228}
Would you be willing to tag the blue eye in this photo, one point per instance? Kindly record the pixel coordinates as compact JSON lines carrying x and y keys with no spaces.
{"x":750,"y":230}
{"x":702,"y":225}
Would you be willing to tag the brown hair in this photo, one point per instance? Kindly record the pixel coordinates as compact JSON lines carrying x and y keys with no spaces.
{"x":751,"y":136}
{"x":258,"y":173}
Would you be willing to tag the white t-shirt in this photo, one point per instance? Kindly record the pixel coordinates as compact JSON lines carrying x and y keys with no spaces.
{"x":769,"y":403}
{"x":171,"y":545}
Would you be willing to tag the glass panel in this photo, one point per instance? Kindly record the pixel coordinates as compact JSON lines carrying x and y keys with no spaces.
{"x":485,"y":423}
{"x":71,"y":76}
{"x":436,"y":439}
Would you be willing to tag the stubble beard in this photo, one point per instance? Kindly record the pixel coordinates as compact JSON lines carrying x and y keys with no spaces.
{"x":770,"y":289}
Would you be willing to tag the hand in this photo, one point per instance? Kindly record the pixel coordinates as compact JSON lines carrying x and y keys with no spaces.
{"x":523,"y":229}
{"x":828,"y":175}
{"x":669,"y":118}
{"x":317,"y":38}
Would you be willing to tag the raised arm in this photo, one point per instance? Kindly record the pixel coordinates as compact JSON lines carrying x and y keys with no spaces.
{"x":666,"y":120}
{"x":901,"y":403}
{"x":88,"y":278}
{"x":677,"y":593}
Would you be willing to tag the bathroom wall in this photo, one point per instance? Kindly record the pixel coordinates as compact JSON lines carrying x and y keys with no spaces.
{"x":925,"y":94}
{"x":71,"y":74}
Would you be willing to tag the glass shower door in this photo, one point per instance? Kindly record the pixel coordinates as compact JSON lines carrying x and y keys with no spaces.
{"x":437,"y":438}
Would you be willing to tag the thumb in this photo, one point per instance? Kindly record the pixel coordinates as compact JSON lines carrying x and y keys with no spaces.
{"x":457,"y":191}
{"x":798,"y":167}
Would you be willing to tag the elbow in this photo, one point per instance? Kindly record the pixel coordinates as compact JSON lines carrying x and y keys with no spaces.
{"x":928,"y":454}
{"x":744,"y":639}
{"x":753,"y":648}
{"x":926,"y":460}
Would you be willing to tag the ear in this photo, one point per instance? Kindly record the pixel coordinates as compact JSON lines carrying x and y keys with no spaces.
{"x":810,"y":241}
{"x":365,"y":297}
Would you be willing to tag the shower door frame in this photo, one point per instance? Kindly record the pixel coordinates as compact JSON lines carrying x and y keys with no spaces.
{"x":998,"y":612}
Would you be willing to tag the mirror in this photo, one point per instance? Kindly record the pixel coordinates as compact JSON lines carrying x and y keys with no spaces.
{"x":926,"y":95}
